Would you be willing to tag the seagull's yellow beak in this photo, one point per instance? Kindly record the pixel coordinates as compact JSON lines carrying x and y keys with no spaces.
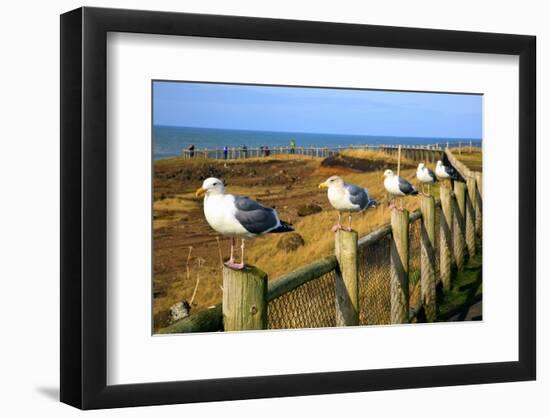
{"x":200,"y":192}
{"x":323,"y":185}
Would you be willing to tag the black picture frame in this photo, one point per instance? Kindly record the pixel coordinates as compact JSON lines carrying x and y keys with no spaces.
{"x":84,"y":207}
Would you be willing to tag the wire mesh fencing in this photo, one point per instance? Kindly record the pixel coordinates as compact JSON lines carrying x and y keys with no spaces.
{"x":415,"y":296}
{"x":312,"y":304}
{"x":374,"y":282}
{"x":437,"y":243}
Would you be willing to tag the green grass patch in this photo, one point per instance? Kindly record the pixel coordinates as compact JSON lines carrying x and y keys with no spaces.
{"x":414,"y":277}
{"x":466,"y":289}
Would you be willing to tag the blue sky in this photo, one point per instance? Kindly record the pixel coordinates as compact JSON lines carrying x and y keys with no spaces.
{"x":317,"y":110}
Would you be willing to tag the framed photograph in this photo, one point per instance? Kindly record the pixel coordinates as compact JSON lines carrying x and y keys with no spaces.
{"x":257,"y":208}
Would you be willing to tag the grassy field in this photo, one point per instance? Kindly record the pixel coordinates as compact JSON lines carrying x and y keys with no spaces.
{"x":472,"y":160}
{"x":187,"y":251}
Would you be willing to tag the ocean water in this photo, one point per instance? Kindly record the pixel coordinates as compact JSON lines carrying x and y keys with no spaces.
{"x":168,"y":141}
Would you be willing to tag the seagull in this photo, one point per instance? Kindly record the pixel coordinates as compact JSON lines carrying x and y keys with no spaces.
{"x":397,"y":186}
{"x":237,"y":216}
{"x":426,"y":176}
{"x":445,"y":172}
{"x":346,"y":197}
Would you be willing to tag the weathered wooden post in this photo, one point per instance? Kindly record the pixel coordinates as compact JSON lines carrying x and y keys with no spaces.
{"x":244,"y":304}
{"x":479,"y":202}
{"x":427,"y":257}
{"x":398,"y":160}
{"x":459,"y":212}
{"x":445,"y":236}
{"x":471,"y":216}
{"x":399,"y":284}
{"x":347,"y":279}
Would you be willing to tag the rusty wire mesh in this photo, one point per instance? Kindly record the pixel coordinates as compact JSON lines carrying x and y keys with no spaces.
{"x":415,"y":297}
{"x":308,"y":306}
{"x":374,"y":282}
{"x":312,"y":305}
{"x":436,"y":245}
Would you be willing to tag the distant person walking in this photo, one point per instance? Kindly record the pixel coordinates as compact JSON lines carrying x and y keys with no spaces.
{"x":267,"y":151}
{"x":191,"y":150}
{"x":292,"y":146}
{"x":262,"y":151}
{"x":225,"y":151}
{"x":245,"y":151}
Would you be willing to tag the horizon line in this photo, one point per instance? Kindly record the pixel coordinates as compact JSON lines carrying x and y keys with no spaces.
{"x":321,"y":133}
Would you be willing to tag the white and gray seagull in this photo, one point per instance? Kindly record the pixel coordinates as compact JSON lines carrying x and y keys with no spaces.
{"x":426,"y":176}
{"x":346,"y":197}
{"x":397,"y":186}
{"x":237,"y":217}
{"x":445,"y":172}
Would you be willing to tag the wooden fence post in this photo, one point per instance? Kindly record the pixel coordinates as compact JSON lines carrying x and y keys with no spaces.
{"x":244,"y":303}
{"x":459,"y":212}
{"x":479,"y":182}
{"x":471,"y":216}
{"x":347,"y":279}
{"x":427,"y":257}
{"x":445,"y":236}
{"x":399,"y":284}
{"x":479,"y":202}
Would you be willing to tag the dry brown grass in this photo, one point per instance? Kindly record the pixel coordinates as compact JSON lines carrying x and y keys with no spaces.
{"x":172,"y":210}
{"x":473,"y":160}
{"x":376,"y":155}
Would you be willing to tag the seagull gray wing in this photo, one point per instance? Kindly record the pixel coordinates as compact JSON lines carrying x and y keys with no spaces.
{"x":254,"y":217}
{"x":372,"y":202}
{"x":405,"y":186}
{"x":432,"y":174}
{"x":357,"y":195}
{"x":450,"y":171}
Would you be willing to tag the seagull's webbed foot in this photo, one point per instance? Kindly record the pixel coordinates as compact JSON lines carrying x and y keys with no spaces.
{"x":338,"y":226}
{"x":234,"y":265}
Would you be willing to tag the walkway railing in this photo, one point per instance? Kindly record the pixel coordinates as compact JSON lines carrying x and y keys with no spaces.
{"x":316,"y":152}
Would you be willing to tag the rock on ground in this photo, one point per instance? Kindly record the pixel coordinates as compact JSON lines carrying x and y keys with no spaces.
{"x":290,"y":242}
{"x":308,"y":209}
{"x":179,"y":311}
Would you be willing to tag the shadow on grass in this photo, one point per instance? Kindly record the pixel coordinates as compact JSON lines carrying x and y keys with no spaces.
{"x":465,"y":292}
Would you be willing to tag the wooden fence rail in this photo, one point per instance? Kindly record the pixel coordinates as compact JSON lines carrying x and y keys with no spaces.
{"x":247,"y":293}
